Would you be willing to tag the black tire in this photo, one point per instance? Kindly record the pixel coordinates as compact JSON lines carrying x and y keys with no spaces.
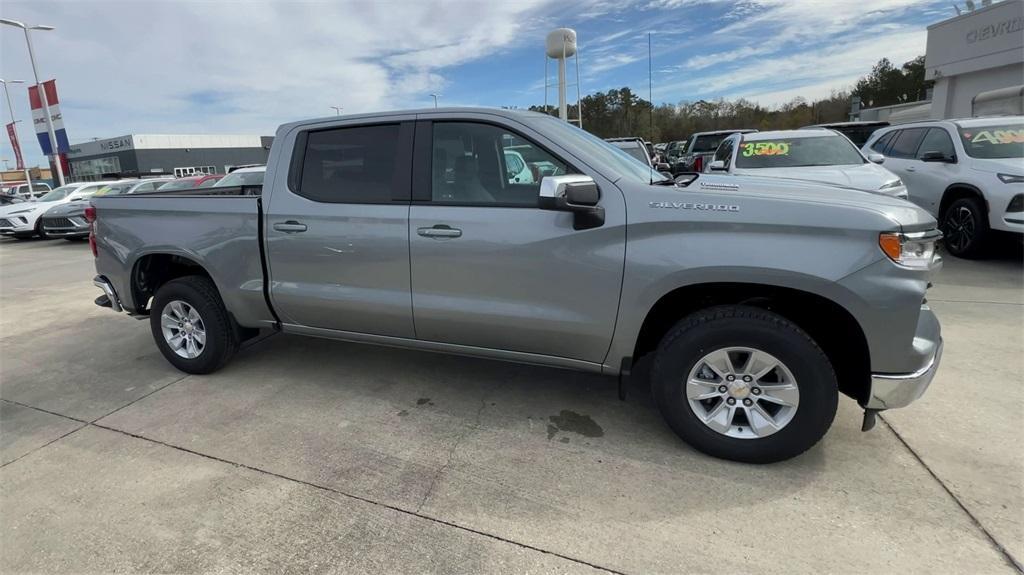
{"x":720,"y":327}
{"x":39,"y":229}
{"x":221,"y":335}
{"x":965,"y":227}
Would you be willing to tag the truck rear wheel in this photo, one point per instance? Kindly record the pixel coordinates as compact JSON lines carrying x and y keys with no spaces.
{"x":745,"y":384}
{"x":191,"y":326}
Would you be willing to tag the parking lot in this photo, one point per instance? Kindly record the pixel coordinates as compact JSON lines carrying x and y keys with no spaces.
{"x":313,"y":455}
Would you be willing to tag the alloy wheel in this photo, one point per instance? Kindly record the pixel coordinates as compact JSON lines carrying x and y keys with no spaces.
{"x":742,"y":392}
{"x":183,"y":329}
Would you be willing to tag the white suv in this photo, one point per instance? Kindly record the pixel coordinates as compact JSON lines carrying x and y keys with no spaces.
{"x":968,"y":173}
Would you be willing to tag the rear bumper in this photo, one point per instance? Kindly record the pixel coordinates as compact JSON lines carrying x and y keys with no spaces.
{"x":112,"y":301}
{"x":889,"y":391}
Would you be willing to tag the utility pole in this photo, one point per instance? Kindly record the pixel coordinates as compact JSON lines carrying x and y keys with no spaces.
{"x":434,"y":96}
{"x":14,"y":126}
{"x":337,"y":110}
{"x":42,"y":90}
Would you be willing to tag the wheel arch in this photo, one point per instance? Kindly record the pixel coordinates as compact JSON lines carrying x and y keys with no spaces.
{"x":152,"y":270}
{"x":959,"y":190}
{"x":830,"y":324}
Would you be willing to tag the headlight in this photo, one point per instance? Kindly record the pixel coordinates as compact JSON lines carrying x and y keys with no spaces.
{"x":1010,"y":179}
{"x":893,"y":184}
{"x":915,"y":250}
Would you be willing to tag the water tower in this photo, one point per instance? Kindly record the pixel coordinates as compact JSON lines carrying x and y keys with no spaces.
{"x":561,"y":45}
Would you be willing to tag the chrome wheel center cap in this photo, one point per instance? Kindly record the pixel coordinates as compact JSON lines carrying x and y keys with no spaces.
{"x":739,"y":389}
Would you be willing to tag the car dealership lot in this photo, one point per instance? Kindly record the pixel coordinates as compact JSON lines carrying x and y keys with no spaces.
{"x":307,"y":454}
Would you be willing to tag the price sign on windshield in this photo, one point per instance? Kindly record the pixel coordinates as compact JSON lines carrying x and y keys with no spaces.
{"x":765,"y":149}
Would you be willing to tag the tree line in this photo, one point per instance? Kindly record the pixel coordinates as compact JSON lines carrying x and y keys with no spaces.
{"x":621,"y":112}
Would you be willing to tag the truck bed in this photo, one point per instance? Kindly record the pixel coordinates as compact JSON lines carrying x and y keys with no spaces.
{"x":222,"y":233}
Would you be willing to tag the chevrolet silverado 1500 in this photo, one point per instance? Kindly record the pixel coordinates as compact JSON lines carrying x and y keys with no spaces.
{"x":759,"y":300}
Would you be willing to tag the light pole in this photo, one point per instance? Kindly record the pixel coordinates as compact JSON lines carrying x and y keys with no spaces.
{"x":337,"y":110}
{"x":434,"y":96}
{"x":42,"y":90}
{"x":14,"y":127}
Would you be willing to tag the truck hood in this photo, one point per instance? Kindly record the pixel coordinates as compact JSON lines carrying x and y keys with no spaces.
{"x":901,"y":212}
{"x":867,"y":176}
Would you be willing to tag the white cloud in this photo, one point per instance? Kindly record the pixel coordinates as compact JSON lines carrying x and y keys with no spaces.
{"x":226,"y":67}
{"x":838,"y":65}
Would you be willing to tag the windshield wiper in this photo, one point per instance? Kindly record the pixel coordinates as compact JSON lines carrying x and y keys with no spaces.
{"x":664,"y":183}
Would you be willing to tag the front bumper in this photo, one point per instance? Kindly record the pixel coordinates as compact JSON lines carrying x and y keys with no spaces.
{"x":889,"y":391}
{"x":66,"y":227}
{"x":11,"y":225}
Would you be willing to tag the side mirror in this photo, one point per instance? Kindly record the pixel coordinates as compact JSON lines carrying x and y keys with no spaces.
{"x":717,"y":166}
{"x":876,"y":158}
{"x":663,"y":167}
{"x":574,"y":193}
{"x":936,"y":156}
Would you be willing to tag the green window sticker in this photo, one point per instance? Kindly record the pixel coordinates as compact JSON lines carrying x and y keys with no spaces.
{"x":751,"y":149}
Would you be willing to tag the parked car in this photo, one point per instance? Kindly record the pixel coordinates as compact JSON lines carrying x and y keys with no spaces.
{"x":817,"y":155}
{"x":191,"y":182}
{"x":674,"y":150}
{"x":857,"y":132}
{"x":759,"y":299}
{"x":967,"y":173}
{"x":23,"y":220}
{"x":134,"y":186}
{"x":700,"y":149}
{"x":22,"y":191}
{"x":243,"y":177}
{"x":516,"y":169}
{"x":638,"y":149}
{"x":68,"y":221}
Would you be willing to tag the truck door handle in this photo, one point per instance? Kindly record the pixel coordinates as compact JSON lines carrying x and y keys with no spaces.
{"x":290,"y":227}
{"x":911,"y":169}
{"x":439,"y":231}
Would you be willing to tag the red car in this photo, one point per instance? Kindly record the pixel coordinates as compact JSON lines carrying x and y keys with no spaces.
{"x":190,"y":182}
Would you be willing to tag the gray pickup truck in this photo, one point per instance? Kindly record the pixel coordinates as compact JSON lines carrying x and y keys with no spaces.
{"x":757,"y":300}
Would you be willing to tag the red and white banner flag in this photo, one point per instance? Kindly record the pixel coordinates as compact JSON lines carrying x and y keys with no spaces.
{"x":56,"y":118}
{"x":13,"y":133}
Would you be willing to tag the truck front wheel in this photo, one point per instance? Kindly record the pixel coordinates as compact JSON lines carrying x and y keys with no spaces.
{"x":191,"y":326}
{"x":745,"y":384}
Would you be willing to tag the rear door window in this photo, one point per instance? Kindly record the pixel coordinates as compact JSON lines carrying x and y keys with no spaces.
{"x":883,"y":142}
{"x":351,"y":165}
{"x":907,"y":143}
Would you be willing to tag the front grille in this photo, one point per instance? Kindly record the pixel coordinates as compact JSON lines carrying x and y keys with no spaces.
{"x":58,"y":223}
{"x":5,"y":223}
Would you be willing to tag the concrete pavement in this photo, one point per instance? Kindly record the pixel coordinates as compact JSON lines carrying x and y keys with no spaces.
{"x":316,"y":455}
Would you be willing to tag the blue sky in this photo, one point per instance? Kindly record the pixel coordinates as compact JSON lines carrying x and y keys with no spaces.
{"x":174,"y":67}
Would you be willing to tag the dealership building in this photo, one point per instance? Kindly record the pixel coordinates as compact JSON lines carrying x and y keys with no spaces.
{"x":141,"y":155}
{"x":976,"y":60}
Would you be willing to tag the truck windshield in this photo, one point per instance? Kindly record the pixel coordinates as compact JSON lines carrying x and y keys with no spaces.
{"x":634,"y":150}
{"x":994,"y":142}
{"x":608,"y":155}
{"x":829,"y":150}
